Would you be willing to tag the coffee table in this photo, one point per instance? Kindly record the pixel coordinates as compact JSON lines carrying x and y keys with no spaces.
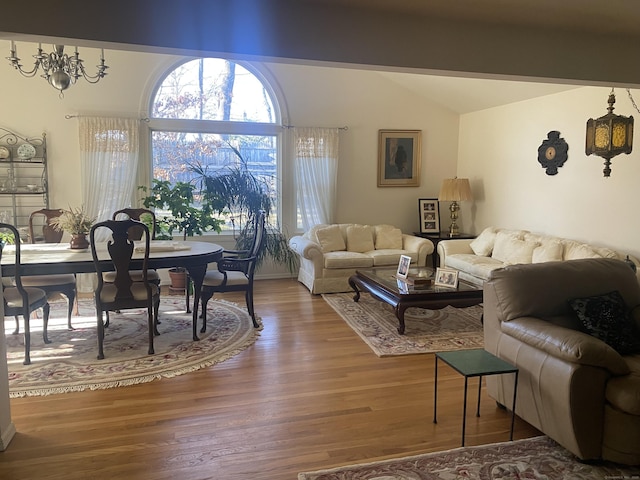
{"x":382,"y":284}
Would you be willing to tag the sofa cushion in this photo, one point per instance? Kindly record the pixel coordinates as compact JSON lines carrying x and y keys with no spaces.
{"x":342,"y":259}
{"x":388,"y":236}
{"x":512,"y":250}
{"x":389,"y":256}
{"x":483,"y":243}
{"x":607,"y":318}
{"x":575,"y":251}
{"x":547,"y":252}
{"x":605,"y":252}
{"x":623,"y":392}
{"x":330,"y":239}
{"x":359,"y":238}
{"x":475,"y":265}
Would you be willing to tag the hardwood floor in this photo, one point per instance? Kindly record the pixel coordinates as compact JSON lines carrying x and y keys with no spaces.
{"x":308,"y":395}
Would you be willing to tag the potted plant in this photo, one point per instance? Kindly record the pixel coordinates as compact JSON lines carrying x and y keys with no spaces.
{"x":77,"y":223}
{"x":178,"y":201}
{"x":237,"y":191}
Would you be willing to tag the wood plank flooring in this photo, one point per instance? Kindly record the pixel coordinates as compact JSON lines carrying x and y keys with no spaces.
{"x":308,"y":395}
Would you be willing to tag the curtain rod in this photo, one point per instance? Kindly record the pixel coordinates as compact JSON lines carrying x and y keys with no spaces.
{"x":69,"y":117}
{"x":146,"y":119}
{"x":337,"y":128}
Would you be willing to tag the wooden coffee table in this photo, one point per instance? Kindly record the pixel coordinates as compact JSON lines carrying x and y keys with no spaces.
{"x":382,"y":284}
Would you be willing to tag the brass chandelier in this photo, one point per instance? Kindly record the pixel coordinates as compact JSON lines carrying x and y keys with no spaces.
{"x":58,"y":68}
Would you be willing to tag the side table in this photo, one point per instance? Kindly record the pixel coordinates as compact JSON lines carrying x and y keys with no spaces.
{"x":438,"y":237}
{"x":475,"y":363}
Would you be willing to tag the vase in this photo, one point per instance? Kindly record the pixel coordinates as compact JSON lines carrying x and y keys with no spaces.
{"x":79,"y":241}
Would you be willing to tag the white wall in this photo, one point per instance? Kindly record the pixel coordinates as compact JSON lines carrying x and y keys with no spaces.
{"x":366,"y":102}
{"x":497,"y":147}
{"x":498,"y":152}
{"x":315,"y":96}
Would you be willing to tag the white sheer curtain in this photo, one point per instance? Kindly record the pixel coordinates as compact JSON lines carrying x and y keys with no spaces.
{"x":315,"y":153}
{"x":109,"y":152}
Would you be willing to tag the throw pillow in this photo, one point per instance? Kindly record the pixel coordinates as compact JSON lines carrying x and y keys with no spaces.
{"x":511,"y":250}
{"x":547,"y":252}
{"x":576,"y":251}
{"x":483,"y":244}
{"x":607,"y":318}
{"x":359,"y":238}
{"x":330,"y":239}
{"x":388,"y":237}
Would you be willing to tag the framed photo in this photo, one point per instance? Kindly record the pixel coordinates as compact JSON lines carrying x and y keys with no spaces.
{"x":446,"y":277}
{"x":403,"y":266}
{"x":429,"y":211}
{"x":399,"y":158}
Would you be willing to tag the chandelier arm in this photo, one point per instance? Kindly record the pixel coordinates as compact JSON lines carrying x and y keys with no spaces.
{"x":15,"y":63}
{"x":92,"y":78}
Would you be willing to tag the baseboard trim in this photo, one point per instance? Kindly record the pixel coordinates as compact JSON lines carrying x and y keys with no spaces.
{"x":7,"y":434}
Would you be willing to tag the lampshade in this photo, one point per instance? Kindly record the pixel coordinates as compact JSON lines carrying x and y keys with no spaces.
{"x":455,"y":190}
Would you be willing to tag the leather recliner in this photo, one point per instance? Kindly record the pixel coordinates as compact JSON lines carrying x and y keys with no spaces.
{"x":573,"y":387}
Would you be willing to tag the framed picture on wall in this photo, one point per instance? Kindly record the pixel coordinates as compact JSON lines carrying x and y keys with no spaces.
{"x":399,"y":158}
{"x":429,"y":212}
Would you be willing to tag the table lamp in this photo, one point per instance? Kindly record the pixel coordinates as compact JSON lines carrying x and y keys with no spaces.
{"x":455,"y":190}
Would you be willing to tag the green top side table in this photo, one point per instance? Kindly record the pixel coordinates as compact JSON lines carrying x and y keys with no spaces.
{"x":475,"y":363}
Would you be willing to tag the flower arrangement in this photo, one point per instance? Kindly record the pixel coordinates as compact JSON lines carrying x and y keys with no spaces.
{"x":74,"y":220}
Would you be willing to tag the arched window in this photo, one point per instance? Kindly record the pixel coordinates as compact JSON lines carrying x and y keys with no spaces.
{"x":214,"y":113}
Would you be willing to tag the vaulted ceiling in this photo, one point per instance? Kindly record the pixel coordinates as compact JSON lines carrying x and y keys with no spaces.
{"x":546,"y":45}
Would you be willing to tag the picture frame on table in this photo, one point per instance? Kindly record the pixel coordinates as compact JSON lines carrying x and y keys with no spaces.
{"x":429,"y":212}
{"x":446,"y":277}
{"x":399,"y":158}
{"x":403,"y":266}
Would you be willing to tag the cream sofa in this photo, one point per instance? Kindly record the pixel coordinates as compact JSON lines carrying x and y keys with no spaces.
{"x":550,"y":320}
{"x":330,"y":254}
{"x":494,"y":248}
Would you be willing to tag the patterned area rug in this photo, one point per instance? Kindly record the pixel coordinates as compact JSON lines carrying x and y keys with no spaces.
{"x":534,"y":459}
{"x":426,"y":330}
{"x":69,"y":363}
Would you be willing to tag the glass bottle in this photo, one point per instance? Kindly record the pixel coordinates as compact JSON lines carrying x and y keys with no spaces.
{"x":11,"y":181}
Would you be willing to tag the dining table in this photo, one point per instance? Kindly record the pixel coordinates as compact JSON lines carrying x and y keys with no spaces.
{"x":59,"y":258}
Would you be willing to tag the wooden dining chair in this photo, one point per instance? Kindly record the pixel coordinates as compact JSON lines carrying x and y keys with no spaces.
{"x":123,"y":293}
{"x":235,"y":272}
{"x":22,"y":300}
{"x":136,"y":234}
{"x":138,"y":214}
{"x":41,"y":230}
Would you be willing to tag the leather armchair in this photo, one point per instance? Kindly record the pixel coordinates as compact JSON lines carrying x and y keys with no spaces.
{"x":573,"y":387}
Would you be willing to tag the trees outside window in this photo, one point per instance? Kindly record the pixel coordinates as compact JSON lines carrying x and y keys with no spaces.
{"x":201,"y":111}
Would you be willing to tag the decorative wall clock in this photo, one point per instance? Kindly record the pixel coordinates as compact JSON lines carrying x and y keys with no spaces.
{"x":553,"y":152}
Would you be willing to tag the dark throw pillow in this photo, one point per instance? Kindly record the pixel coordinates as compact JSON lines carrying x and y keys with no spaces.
{"x":607,"y":318}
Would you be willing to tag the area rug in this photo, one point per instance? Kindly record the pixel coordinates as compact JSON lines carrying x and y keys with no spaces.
{"x":538,"y":458}
{"x":69,"y":363}
{"x":426,"y":331}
